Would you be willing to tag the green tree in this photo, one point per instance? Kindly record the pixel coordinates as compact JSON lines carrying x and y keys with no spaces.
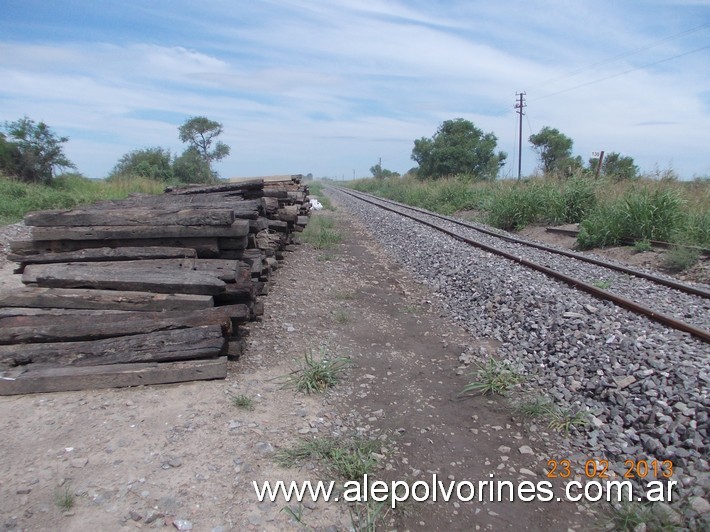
{"x":381,"y":173}
{"x":616,"y":166}
{"x":200,"y":133}
{"x":554,"y":150}
{"x":32,"y":152}
{"x":153,"y":163}
{"x":458,"y":147}
{"x":191,"y":167}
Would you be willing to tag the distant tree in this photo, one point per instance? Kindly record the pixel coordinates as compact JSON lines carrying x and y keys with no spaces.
{"x":554,"y":150}
{"x":458,"y":147}
{"x":152,"y":163}
{"x":616,"y":166}
{"x":380,"y":173}
{"x":32,"y":152}
{"x":9,"y":155}
{"x":200,"y":133}
{"x":191,"y":167}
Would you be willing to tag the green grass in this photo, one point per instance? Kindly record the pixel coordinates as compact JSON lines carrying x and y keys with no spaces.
{"x":629,"y":516}
{"x":65,"y":192}
{"x":349,"y":459}
{"x":243,"y":402}
{"x":316,"y":375}
{"x":321,"y":232}
{"x":535,"y":407}
{"x":563,"y":419}
{"x":642,"y":246}
{"x":64,"y":498}
{"x":643,"y":214}
{"x":492,"y":378}
{"x":603,"y":284}
{"x":607,"y":211}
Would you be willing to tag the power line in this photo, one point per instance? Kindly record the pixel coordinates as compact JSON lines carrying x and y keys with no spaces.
{"x":622,"y":73}
{"x":623,"y":55}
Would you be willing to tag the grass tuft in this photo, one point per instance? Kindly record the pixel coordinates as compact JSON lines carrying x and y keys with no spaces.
{"x":242,"y":401}
{"x":538,"y":406}
{"x":64,"y":498}
{"x":493,"y":377}
{"x":316,"y":375}
{"x":633,"y":516}
{"x":563,"y":420}
{"x":348,"y":459}
{"x":604,"y":284}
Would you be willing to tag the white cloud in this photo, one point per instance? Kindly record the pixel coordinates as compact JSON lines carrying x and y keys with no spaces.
{"x":331,"y":86}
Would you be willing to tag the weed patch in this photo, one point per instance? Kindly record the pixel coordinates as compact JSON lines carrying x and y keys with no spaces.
{"x":631,"y":516}
{"x":493,"y":377}
{"x":321,"y":233}
{"x":243,"y":402}
{"x":678,"y":259}
{"x":316,"y":375}
{"x":64,"y":498}
{"x":348,"y":459}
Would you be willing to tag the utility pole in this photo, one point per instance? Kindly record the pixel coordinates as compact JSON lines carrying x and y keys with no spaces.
{"x":520,"y":105}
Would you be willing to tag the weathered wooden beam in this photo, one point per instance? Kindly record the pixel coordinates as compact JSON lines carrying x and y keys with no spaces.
{"x":106,"y":254}
{"x":169,"y":281}
{"x":204,"y":247}
{"x":253,"y":184}
{"x":21,"y":381}
{"x":135,"y":216}
{"x":78,"y":298}
{"x":162,"y":346}
{"x":55,"y":325}
{"x":223,"y":269}
{"x":237,"y":229}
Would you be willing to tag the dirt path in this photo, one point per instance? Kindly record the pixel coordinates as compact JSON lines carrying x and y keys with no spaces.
{"x":168,"y":455}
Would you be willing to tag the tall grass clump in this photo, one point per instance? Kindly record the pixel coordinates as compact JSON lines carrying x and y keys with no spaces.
{"x":637,"y":215}
{"x":519,"y":204}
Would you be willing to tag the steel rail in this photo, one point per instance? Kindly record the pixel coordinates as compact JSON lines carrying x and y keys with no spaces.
{"x":573,"y":282}
{"x":682,"y":287}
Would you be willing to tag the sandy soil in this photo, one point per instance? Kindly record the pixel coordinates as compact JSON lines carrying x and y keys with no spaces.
{"x":163,"y":456}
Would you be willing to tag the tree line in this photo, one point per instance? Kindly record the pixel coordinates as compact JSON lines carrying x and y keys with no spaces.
{"x":31,"y":152}
{"x":460,"y":148}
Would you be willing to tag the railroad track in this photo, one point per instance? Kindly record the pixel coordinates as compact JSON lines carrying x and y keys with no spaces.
{"x":674,"y":304}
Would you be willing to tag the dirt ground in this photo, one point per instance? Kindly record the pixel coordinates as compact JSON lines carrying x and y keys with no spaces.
{"x":181,"y":456}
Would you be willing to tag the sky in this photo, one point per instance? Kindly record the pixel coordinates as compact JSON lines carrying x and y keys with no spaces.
{"x":331,"y":87}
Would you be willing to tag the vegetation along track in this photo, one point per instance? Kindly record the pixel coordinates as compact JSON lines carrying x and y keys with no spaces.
{"x":674,"y":304}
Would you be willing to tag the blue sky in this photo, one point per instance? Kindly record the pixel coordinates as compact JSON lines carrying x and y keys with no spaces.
{"x":330,"y":87}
